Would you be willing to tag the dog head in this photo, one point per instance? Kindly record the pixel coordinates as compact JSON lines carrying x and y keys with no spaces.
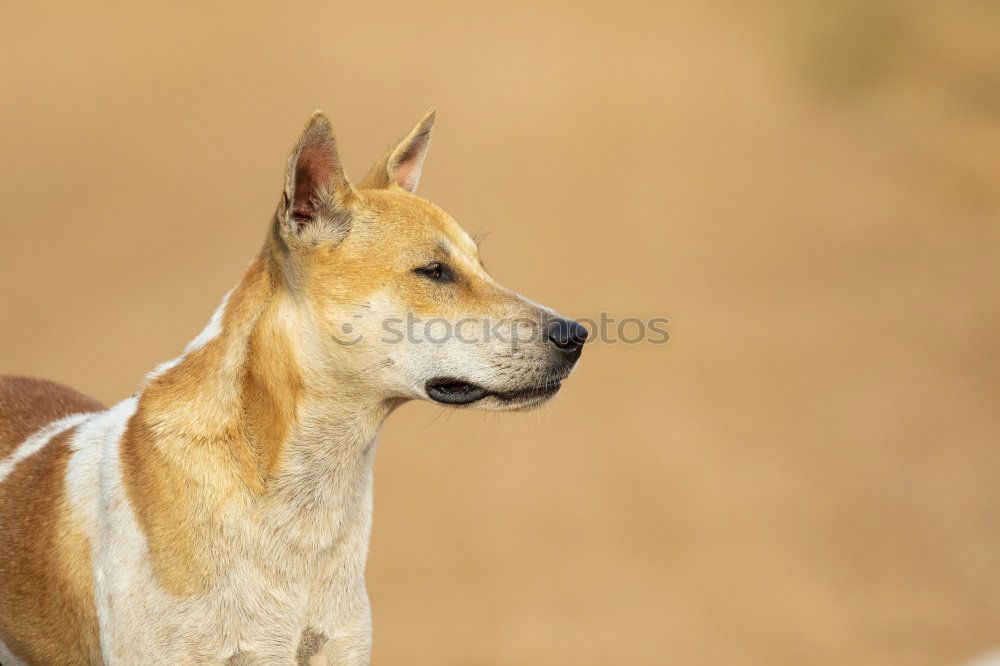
{"x":390,"y":295}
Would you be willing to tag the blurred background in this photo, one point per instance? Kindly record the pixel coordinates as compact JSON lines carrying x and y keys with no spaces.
{"x":808,"y":473}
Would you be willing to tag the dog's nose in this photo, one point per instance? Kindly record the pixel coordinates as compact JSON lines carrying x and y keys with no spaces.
{"x":568,"y":336}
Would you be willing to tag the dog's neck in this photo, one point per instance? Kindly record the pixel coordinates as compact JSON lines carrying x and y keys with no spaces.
{"x":242,"y":406}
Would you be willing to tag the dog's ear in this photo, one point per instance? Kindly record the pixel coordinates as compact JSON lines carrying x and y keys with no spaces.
{"x":317,"y":195}
{"x":401,"y":166}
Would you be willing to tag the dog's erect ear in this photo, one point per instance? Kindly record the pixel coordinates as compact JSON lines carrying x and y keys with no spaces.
{"x":317,"y":193}
{"x":401,"y":165}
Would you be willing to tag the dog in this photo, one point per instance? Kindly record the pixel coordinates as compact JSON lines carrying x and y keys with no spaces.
{"x":221,"y":515}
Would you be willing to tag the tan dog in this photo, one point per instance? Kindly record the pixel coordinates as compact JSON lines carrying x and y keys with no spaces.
{"x":221,"y":515}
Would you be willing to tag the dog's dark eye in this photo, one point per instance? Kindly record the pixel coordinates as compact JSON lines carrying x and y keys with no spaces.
{"x":435,"y":271}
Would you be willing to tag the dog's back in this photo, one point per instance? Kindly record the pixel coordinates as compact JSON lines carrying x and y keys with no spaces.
{"x":46,"y":594}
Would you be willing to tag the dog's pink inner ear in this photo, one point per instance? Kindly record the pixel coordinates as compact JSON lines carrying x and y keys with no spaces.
{"x":315,"y":176}
{"x":401,"y":166}
{"x":407,"y":165}
{"x":314,"y":170}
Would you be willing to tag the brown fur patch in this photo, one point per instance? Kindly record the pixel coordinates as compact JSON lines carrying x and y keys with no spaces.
{"x":27,"y":404}
{"x":47,"y":611}
{"x":310,"y":645}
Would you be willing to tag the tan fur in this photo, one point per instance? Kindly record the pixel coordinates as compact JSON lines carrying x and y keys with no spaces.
{"x":182,"y":407}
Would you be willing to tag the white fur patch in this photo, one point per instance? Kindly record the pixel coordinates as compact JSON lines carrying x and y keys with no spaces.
{"x":37,"y":442}
{"x":83,"y":468}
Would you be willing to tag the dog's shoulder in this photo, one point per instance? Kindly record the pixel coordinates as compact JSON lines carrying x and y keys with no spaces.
{"x":28,"y":404}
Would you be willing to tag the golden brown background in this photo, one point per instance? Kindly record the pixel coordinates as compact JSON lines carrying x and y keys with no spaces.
{"x":808,"y":473}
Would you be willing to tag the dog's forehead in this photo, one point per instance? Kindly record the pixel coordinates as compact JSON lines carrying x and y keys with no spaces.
{"x":420,"y":221}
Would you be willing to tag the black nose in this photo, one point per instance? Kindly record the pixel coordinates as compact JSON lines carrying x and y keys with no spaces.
{"x":567,"y":335}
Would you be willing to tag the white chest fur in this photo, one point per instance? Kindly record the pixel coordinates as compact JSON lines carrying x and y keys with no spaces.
{"x":288,"y":561}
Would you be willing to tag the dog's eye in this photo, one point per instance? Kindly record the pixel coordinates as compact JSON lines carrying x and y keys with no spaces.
{"x":435,"y":271}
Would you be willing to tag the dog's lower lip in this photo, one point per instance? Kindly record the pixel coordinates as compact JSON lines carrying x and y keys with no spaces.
{"x":451,"y":391}
{"x":546,"y":389}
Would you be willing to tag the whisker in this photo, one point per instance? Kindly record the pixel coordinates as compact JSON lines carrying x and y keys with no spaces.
{"x":439,"y":414}
{"x":375,"y":366}
{"x":482,"y":233}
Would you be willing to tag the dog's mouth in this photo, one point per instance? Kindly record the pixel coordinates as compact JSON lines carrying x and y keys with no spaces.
{"x":451,"y":391}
